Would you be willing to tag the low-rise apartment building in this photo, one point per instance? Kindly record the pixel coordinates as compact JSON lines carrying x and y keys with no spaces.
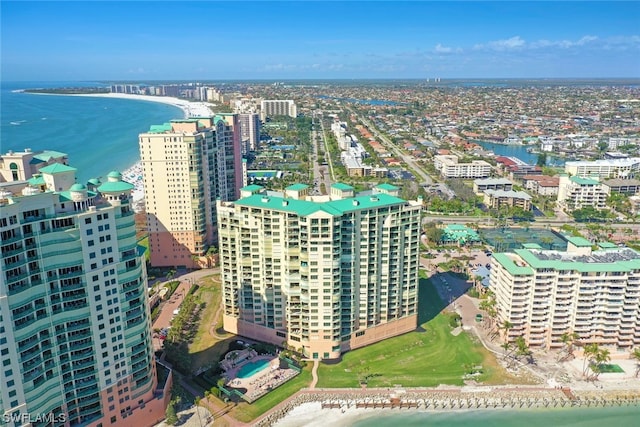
{"x":496,"y":199}
{"x":624,"y":186}
{"x":576,"y":193}
{"x":481,"y":185}
{"x":609,"y":168}
{"x":542,"y":184}
{"x":449,"y":167}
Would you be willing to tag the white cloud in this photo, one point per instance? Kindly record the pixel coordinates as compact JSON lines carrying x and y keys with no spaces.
{"x":442,"y":49}
{"x":514,"y":42}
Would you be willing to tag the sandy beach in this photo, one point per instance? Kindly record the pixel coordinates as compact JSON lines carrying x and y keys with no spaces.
{"x":316,"y":408}
{"x":190,"y":109}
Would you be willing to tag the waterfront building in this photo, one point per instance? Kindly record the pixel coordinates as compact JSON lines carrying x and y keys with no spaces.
{"x":24,"y":165}
{"x":605,"y":168}
{"x":324,"y":274}
{"x":547,"y":293}
{"x":576,"y":193}
{"x":75,"y":325}
{"x":450,"y":168}
{"x":495,"y":199}
{"x":481,"y":185}
{"x":277,"y":107}
{"x":187,"y":165}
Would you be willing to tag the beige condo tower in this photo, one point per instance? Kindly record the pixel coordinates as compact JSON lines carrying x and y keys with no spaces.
{"x":187,"y":165}
{"x":321,"y":275}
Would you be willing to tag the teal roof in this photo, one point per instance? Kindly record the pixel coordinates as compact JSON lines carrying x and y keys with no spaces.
{"x":341,"y":186}
{"x":584,"y":181}
{"x":77,"y":187}
{"x":165,"y":127}
{"x":47,"y":155}
{"x":459,"y":233}
{"x":94,"y":181}
{"x":141,"y":250}
{"x":511,"y":267}
{"x":190,"y":120}
{"x":36,"y":180}
{"x":115,"y":187}
{"x":57,"y":168}
{"x":531,"y":246}
{"x":297,"y":187}
{"x":580,"y":242}
{"x":65,"y":196}
{"x":305,"y":208}
{"x":387,"y":187}
{"x":253,"y":188}
{"x":114,"y":174}
{"x":607,"y":245}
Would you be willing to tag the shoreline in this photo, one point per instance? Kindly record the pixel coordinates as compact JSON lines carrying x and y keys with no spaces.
{"x":335,"y":407}
{"x":133,"y":174}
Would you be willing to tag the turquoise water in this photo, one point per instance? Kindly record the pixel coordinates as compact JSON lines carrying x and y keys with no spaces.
{"x":252,"y":368}
{"x":519,"y":151}
{"x":98,"y":134}
{"x":626,"y":416}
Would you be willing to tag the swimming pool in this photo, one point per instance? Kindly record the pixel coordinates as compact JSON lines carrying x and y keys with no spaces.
{"x":252,"y":368}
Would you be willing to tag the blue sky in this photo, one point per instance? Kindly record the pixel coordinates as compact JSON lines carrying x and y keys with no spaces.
{"x":143,"y":40}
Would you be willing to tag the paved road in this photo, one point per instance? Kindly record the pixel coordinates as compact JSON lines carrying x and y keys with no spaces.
{"x":409,"y":160}
{"x":187,"y":280}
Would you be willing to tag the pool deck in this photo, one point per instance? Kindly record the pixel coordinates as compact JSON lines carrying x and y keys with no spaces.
{"x":261,"y":382}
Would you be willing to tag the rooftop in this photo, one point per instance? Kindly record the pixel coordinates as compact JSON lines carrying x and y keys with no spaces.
{"x":387,"y":187}
{"x":341,"y":186}
{"x":605,"y":260}
{"x":584,"y":181}
{"x":57,"y":168}
{"x":334,"y":207}
{"x":580,"y":242}
{"x":297,"y":187}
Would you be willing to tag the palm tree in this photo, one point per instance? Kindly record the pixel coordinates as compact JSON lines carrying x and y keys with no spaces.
{"x":590,"y":352}
{"x":522,"y":349}
{"x":506,"y":327}
{"x":635,"y":354}
{"x":197,"y":402}
{"x":568,"y":340}
{"x":488,"y":305}
{"x":600,"y":358}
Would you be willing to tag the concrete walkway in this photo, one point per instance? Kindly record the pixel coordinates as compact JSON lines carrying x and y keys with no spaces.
{"x":314,"y":374}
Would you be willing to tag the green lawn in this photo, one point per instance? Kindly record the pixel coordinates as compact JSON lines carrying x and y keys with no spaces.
{"x":429,"y":356}
{"x":245,"y":412}
{"x":415,"y":359}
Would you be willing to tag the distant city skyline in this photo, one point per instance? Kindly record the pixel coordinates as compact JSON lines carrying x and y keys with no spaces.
{"x":86,"y":40}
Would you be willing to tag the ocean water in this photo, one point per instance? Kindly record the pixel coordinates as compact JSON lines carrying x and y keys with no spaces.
{"x":625,"y":416}
{"x":98,"y":134}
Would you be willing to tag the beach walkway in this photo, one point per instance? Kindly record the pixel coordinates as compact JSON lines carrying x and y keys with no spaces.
{"x":314,"y":374}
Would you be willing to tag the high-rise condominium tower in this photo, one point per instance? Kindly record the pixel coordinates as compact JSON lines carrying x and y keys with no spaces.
{"x":187,"y":165}
{"x":277,"y":107}
{"x":322,"y":276}
{"x":250,"y":126}
{"x":74,"y":318}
